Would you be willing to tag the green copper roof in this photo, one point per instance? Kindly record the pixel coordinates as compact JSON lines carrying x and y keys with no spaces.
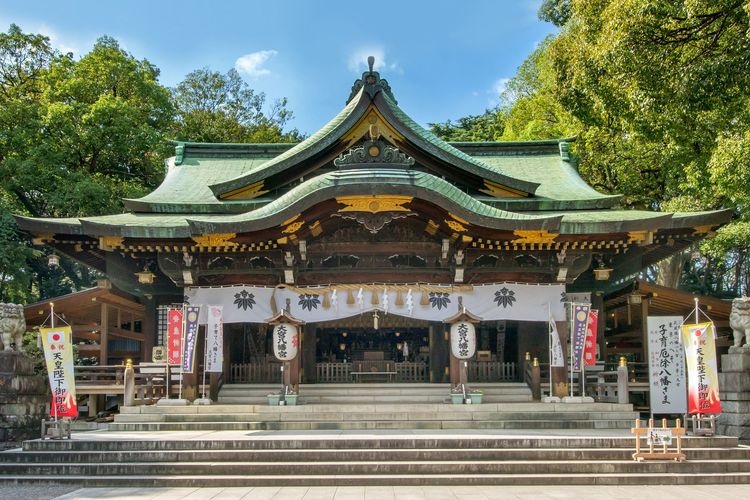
{"x":329,"y":134}
{"x":185,"y":188}
{"x":441,"y":149}
{"x":420,"y":185}
{"x":334,"y":130}
{"x":560,"y":185}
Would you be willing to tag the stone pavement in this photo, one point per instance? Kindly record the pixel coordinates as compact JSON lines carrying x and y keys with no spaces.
{"x":404,"y":493}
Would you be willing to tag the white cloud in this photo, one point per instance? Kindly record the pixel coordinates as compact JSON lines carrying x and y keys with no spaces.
{"x":62,"y":43}
{"x":358,"y":61}
{"x":252,"y":64}
{"x":496,"y":91}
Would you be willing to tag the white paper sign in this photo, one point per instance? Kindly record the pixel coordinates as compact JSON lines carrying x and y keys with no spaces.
{"x":666,"y":365}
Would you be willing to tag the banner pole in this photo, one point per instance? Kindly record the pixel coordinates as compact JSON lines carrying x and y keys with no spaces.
{"x":52,"y":321}
{"x":205,"y":354}
{"x":549,"y":349}
{"x":570,"y":367}
{"x":696,"y":310}
{"x":182,"y":350}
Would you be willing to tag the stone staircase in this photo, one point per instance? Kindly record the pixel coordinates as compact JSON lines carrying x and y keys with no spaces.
{"x":345,"y":394}
{"x":358,"y":416}
{"x":225,"y":459}
{"x":374,"y":406}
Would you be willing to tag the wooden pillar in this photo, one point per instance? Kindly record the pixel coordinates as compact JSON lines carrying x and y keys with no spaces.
{"x":440,"y":365}
{"x":644,"y":330}
{"x":103,"y":334}
{"x":597,"y":302}
{"x":559,"y":375}
{"x":309,"y":349}
{"x":149,"y":328}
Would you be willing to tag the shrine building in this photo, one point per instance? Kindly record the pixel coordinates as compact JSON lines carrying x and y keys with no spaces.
{"x":373,"y":231}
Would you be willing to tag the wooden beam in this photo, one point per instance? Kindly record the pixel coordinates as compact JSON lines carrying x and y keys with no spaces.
{"x":104,"y":335}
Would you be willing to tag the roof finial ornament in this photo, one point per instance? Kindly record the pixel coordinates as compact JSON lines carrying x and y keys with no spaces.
{"x":371,"y":62}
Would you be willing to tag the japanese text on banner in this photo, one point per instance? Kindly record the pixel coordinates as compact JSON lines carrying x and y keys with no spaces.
{"x":703,"y":378}
{"x":58,"y":354}
{"x":214,"y":340}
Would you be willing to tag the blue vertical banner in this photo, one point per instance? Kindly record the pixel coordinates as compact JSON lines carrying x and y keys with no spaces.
{"x":580,"y":324}
{"x":191,"y":338}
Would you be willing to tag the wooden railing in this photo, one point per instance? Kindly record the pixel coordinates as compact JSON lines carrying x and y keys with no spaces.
{"x":267,"y":372}
{"x":407,"y":371}
{"x":333,"y":373}
{"x":616,"y":386}
{"x":491,"y":371}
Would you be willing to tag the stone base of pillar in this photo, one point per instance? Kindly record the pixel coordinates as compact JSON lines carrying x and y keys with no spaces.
{"x":734,"y":387}
{"x":24,"y":397}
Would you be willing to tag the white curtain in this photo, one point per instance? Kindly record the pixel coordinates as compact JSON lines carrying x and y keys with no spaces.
{"x":505,"y":301}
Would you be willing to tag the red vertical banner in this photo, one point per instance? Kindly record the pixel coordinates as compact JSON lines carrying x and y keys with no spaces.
{"x":589,"y":349}
{"x":699,"y":341}
{"x":174,"y":336}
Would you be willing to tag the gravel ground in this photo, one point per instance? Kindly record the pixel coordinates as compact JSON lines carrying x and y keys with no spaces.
{"x":34,"y":491}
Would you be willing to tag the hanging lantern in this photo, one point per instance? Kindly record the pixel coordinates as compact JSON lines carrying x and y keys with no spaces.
{"x":463,"y":334}
{"x":285,"y":341}
{"x":463,"y":340}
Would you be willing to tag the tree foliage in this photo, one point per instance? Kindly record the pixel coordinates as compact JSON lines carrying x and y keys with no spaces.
{"x":78,"y":135}
{"x":658,"y":96}
{"x":215,"y":107}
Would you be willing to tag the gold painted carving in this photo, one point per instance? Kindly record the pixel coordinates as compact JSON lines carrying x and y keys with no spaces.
{"x":215,"y":240}
{"x":293,"y":227}
{"x":641,"y":237}
{"x":459,"y":219}
{"x":374,"y":204}
{"x":109,"y":243}
{"x":525,"y":236}
{"x":431,"y":227}
{"x":706,"y":229}
{"x":247,"y":192}
{"x":290,"y":220}
{"x":42,"y":238}
{"x":372,"y":124}
{"x":316,"y":228}
{"x":456,"y":226}
{"x":500,"y":191}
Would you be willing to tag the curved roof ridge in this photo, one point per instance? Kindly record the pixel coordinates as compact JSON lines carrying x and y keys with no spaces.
{"x":447,"y":152}
{"x":301,"y":150}
{"x":414,"y":183}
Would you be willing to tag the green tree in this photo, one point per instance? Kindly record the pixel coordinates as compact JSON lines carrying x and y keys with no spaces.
{"x":531,"y":105}
{"x":661,"y":89}
{"x":75,"y":138}
{"x":488,"y":126}
{"x":215,"y":107}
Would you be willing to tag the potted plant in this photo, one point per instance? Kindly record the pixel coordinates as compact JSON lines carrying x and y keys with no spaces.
{"x":475,"y":396}
{"x":273,"y":399}
{"x":290,"y":398}
{"x":457,"y":395}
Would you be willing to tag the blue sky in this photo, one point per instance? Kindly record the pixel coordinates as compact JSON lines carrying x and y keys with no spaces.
{"x":444,"y":59}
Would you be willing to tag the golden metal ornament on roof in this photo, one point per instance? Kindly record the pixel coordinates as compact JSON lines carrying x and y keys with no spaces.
{"x":374,"y":203}
{"x":215,"y":240}
{"x":525,"y":236}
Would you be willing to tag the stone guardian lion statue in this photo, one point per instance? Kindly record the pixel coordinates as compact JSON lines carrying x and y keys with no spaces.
{"x":12,"y":326}
{"x":739,"y":320}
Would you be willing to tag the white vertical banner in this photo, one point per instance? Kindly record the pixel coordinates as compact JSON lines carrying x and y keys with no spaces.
{"x":556,"y":356}
{"x":215,"y":340}
{"x":666,"y":365}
